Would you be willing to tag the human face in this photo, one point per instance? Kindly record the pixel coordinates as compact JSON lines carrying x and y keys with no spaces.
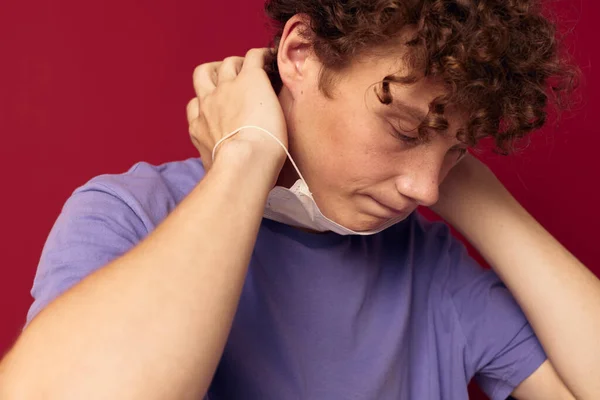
{"x":355,"y":152}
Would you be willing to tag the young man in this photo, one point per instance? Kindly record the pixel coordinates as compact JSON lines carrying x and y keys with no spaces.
{"x":167,"y":282}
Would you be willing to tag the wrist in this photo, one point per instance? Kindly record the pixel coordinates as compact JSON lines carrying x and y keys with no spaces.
{"x":259,"y":159}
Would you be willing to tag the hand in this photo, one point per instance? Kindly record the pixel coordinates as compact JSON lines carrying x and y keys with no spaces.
{"x":230,"y":94}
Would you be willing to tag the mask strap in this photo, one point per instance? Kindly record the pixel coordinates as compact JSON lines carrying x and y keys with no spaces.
{"x":265,"y":131}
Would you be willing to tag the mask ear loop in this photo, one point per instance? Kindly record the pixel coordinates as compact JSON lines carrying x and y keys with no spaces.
{"x":214,"y":152}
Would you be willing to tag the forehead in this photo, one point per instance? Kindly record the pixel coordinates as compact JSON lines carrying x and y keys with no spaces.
{"x":393,"y":60}
{"x":360,"y":79}
{"x":365,"y":77}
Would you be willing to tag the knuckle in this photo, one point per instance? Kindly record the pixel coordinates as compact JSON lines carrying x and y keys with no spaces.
{"x":204,"y":70}
{"x":191,"y":110}
{"x":235,"y":60}
{"x":229,"y":60}
{"x":192,"y":106}
{"x":199,"y":71}
{"x":252,"y":52}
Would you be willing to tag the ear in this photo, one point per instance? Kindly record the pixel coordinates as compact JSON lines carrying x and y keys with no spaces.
{"x":295,"y":59}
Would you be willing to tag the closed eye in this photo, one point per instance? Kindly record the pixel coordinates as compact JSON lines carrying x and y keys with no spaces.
{"x":414,"y":140}
{"x":406,"y":139}
{"x":401,"y":135}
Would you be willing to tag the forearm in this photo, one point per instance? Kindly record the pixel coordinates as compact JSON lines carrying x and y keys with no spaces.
{"x":153,"y":323}
{"x":559,"y":295}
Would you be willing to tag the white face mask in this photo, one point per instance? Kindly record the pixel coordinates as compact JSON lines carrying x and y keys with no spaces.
{"x":296,"y":206}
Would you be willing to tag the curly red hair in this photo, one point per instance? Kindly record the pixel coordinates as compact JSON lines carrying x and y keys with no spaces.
{"x":500,"y":59}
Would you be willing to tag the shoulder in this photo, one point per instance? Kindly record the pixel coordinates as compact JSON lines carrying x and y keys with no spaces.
{"x":149,"y":191}
{"x":174,"y":179}
{"x":106,"y":217}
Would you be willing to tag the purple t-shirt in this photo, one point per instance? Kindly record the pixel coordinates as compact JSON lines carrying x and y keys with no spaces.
{"x":404,"y":314}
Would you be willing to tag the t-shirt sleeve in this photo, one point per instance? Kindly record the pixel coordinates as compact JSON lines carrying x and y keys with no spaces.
{"x":94,"y":227}
{"x":501,"y":347}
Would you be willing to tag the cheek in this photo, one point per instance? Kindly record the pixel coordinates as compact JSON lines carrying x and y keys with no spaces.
{"x":342,"y":146}
{"x":363,"y":166}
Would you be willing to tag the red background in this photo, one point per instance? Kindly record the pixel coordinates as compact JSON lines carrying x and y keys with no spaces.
{"x":93,"y":87}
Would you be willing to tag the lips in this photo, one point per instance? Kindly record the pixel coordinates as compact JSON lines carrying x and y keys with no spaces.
{"x":388,"y":208}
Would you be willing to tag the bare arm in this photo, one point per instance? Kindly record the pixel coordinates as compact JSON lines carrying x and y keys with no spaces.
{"x":559,"y":295}
{"x":543,"y":384}
{"x":153,"y":323}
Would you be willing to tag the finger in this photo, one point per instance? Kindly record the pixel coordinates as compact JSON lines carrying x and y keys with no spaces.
{"x":255,"y":58}
{"x":198,"y":145}
{"x":195,"y":127}
{"x":193,"y":109}
{"x":229,"y":69}
{"x":198,"y":132}
{"x":205,"y":78}
{"x":205,"y":153}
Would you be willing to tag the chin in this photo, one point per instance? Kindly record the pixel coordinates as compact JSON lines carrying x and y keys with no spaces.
{"x":362,"y":222}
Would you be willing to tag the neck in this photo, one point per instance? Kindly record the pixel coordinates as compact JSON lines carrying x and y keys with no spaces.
{"x":288,"y":175}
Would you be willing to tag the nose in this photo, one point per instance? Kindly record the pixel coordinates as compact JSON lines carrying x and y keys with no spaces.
{"x":421,"y":185}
